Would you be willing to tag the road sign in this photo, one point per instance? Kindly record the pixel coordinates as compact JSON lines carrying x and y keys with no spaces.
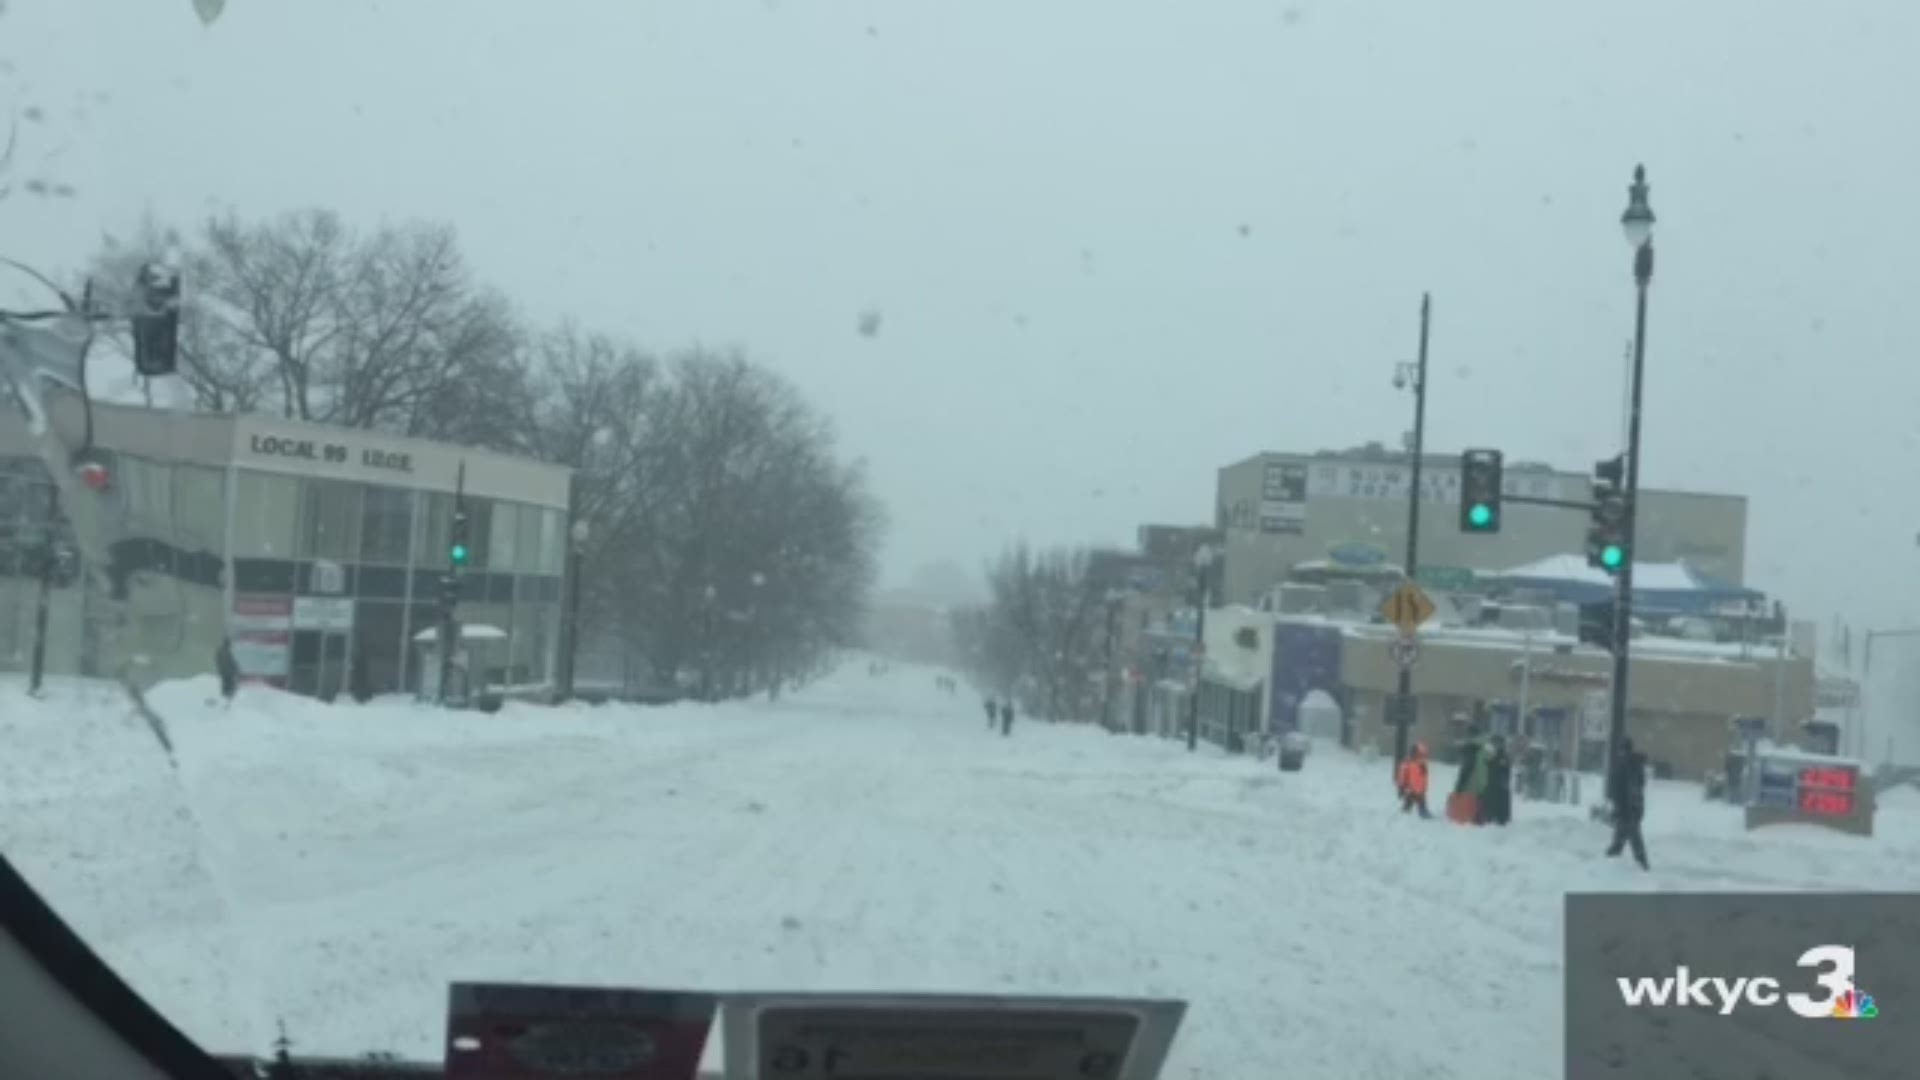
{"x":906,"y":1037}
{"x":1407,"y":608}
{"x":1405,"y":652}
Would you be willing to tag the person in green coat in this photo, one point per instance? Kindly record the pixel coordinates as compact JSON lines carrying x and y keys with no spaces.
{"x":1472,"y":778}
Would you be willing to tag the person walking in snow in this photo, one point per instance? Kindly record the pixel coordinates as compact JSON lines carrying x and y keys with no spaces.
{"x":1627,"y":792}
{"x":1413,"y":781}
{"x":1499,"y":792}
{"x":228,"y":667}
{"x":1006,"y":717}
{"x":993,"y":713}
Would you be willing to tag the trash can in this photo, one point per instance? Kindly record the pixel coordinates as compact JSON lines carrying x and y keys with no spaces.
{"x":1293,"y":751}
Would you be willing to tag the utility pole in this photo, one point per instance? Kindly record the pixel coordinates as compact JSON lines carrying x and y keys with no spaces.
{"x":1403,"y":713}
{"x":48,"y":558}
{"x":1202,"y":564}
{"x":1637,"y":222}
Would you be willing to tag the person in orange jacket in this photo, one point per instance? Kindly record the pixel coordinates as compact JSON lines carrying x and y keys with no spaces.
{"x":1412,"y":781}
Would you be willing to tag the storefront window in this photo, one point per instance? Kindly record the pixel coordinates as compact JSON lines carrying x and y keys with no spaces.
{"x":330,"y":521}
{"x":200,"y":508}
{"x":386,"y":525}
{"x":430,"y":540}
{"x":505,"y":530}
{"x":527,"y":542}
{"x":553,"y":542}
{"x":266,"y":515}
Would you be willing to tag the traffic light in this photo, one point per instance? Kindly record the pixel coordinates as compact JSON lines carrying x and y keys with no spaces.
{"x":1480,"y":472}
{"x":457,"y":550}
{"x":1607,"y":546}
{"x":156,"y":320}
{"x":1596,"y":624}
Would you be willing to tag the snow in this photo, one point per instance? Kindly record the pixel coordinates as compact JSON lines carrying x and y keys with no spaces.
{"x":337,"y":866}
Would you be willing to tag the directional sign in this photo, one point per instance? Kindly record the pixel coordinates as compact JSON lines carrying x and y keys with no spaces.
{"x":1405,"y":652}
{"x":908,"y":1037}
{"x":1407,"y":608}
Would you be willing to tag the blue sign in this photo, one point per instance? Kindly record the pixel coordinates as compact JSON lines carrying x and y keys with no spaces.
{"x":1355,"y":553}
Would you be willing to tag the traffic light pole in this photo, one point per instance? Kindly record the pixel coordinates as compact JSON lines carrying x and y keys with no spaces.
{"x":1403,"y":711}
{"x":449,"y":629}
{"x":1623,"y":598}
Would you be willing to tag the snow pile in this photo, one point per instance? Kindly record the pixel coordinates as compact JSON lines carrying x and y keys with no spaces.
{"x":338,"y":866}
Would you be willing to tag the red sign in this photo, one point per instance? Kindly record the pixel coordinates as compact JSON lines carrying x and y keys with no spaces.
{"x":1827,"y":803}
{"x":515,"y":1032}
{"x":1834,"y":779}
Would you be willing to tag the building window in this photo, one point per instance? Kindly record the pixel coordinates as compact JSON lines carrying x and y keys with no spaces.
{"x":266,"y":514}
{"x":430,"y":547}
{"x":330,"y":521}
{"x":527,"y":542}
{"x":553,"y":543}
{"x":386,"y":526}
{"x":505,"y":528}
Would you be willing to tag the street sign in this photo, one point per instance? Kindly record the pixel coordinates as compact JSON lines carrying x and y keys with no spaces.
{"x":1405,"y":652}
{"x":909,"y":1037}
{"x":1407,"y":608}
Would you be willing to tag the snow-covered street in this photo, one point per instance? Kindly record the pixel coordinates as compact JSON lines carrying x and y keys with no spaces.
{"x":335,"y":867}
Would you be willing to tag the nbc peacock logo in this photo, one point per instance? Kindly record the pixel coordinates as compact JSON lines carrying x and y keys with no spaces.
{"x":1854,"y":1005}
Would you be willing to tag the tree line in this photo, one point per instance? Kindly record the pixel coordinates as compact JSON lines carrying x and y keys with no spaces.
{"x":1042,"y":635}
{"x":729,"y":543}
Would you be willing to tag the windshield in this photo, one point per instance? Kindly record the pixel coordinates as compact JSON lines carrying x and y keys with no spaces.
{"x":1212,"y":503}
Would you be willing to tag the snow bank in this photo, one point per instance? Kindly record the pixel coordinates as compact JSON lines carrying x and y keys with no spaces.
{"x":337,"y":866}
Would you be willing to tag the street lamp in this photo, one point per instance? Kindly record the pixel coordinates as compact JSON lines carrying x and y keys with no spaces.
{"x":1202,"y":563}
{"x":1416,"y":375}
{"x":578,"y":533}
{"x":1636,"y":222}
{"x":1114,"y":597}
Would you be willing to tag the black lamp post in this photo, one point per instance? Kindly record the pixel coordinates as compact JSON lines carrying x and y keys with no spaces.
{"x":1416,"y":374}
{"x":577,"y":535}
{"x":1637,"y":223}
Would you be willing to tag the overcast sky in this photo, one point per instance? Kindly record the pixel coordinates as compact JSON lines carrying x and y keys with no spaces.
{"x":1116,"y":244}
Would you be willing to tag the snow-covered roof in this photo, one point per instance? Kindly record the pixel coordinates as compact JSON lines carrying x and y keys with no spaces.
{"x":1676,"y":577}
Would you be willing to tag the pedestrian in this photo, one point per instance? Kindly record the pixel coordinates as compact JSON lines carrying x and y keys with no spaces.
{"x":993,"y":713}
{"x":1499,"y":793}
{"x":1627,"y":793}
{"x":1469,"y":783}
{"x":1413,"y":781}
{"x":1006,"y":717}
{"x":228,"y":667}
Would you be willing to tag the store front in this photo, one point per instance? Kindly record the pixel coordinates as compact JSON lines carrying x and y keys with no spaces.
{"x":318,"y":551}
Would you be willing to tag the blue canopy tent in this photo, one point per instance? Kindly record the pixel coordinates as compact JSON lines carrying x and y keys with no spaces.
{"x":1661,"y":589}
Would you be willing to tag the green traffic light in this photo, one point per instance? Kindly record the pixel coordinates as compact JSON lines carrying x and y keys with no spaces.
{"x":458,"y":554}
{"x":1481,"y":515}
{"x":1611,"y":556}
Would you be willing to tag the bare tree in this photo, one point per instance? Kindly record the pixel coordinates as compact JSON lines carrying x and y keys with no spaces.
{"x":300,"y":315}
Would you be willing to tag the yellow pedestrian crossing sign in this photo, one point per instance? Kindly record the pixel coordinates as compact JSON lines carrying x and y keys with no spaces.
{"x":1407,"y":608}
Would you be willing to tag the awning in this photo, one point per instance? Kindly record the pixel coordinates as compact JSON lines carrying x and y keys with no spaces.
{"x":468,"y":632}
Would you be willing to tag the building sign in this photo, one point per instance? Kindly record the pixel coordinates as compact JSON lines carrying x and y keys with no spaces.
{"x":1438,"y":483}
{"x":1557,"y":673}
{"x":1283,"y":498}
{"x":328,"y":614}
{"x":1445,"y":578}
{"x":331,"y":453}
{"x":1357,"y":553}
{"x":261,"y":631}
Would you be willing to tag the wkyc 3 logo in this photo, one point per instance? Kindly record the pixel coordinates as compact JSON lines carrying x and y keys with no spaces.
{"x":1833,"y":964}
